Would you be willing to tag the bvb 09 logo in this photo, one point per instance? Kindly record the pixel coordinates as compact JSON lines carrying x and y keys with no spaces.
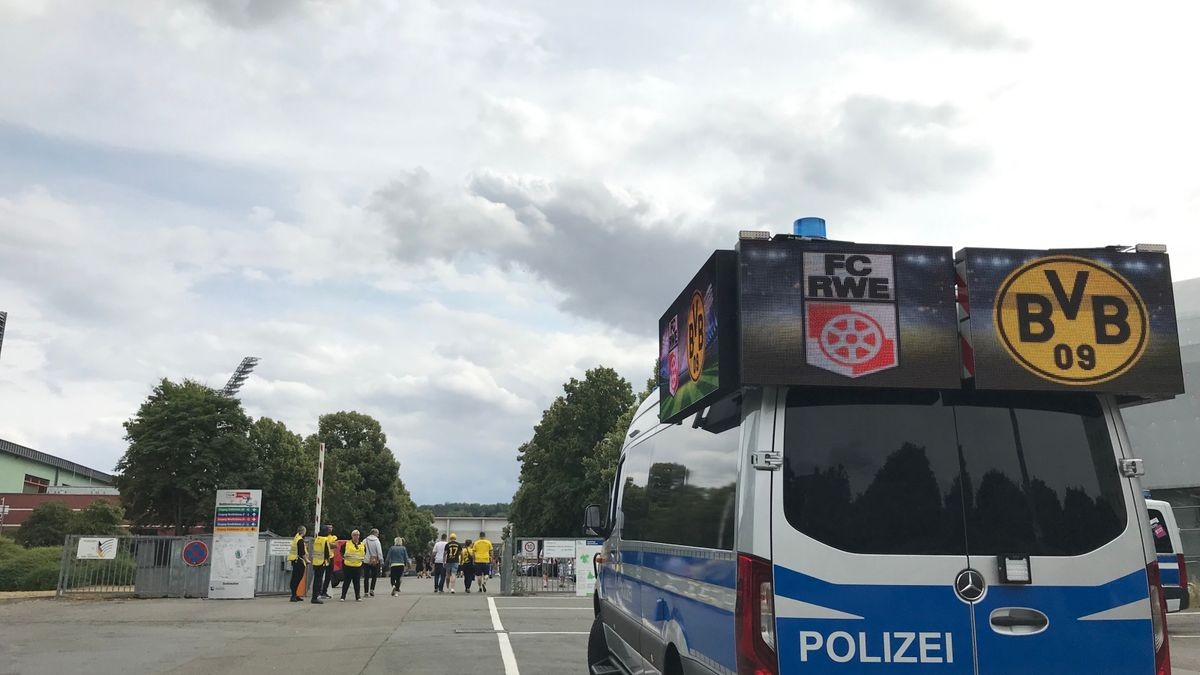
{"x":1071,"y":320}
{"x":695,"y":337}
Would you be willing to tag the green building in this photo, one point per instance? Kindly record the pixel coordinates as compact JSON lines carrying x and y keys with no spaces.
{"x":25,"y":470}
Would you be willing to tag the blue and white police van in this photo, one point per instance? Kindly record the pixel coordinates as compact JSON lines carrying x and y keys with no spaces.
{"x":895,"y":459}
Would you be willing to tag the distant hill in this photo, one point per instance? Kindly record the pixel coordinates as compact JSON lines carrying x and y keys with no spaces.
{"x":468,"y":510}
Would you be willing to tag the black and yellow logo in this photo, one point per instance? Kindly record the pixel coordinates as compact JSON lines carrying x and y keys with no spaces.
{"x":695,"y":337}
{"x":1071,"y":320}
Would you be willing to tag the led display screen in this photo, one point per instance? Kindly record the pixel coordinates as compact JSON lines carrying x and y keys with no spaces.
{"x":698,"y":341}
{"x":828,"y":313}
{"x":1096,"y":320}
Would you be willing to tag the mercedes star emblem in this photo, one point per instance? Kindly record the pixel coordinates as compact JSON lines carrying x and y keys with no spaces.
{"x":969,"y":585}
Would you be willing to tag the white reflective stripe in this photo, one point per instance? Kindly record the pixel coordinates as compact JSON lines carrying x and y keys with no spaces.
{"x":1168,"y":566}
{"x":1138,"y":609}
{"x":787,"y":608}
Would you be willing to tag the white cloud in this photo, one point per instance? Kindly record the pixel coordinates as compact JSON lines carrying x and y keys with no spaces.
{"x":438,"y":212}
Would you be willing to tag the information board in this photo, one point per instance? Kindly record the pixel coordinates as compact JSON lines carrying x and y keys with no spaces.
{"x":1098,"y":320}
{"x":827,"y":313}
{"x":585,"y":570}
{"x":96,"y":548}
{"x":698,"y":341}
{"x":558,"y":548}
{"x":235,"y":544}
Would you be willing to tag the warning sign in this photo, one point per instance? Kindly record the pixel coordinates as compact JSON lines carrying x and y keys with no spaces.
{"x":1071,"y":320}
{"x":1097,"y":320}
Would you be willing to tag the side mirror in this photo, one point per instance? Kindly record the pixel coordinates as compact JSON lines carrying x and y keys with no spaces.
{"x":593,"y":521}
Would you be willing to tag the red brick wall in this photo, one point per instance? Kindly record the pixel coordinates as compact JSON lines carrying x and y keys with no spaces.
{"x":21,"y":505}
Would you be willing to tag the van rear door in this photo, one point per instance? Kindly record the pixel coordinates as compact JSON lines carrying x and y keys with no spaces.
{"x":868,"y":535}
{"x":1052,"y":526}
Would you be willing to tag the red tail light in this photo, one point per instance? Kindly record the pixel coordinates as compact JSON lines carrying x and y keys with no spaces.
{"x":1158,"y":618}
{"x":755,"y":617}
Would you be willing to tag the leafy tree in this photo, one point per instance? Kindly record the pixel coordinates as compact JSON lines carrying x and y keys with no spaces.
{"x":600,"y":466}
{"x":414,"y":524}
{"x":553,"y":486}
{"x":287,"y":476}
{"x":185,"y":442}
{"x":361,"y":474}
{"x":99,"y":517}
{"x":469,"y":510}
{"x":48,"y":524}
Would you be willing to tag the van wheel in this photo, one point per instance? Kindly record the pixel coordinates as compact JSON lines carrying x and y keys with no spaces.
{"x":597,"y":653}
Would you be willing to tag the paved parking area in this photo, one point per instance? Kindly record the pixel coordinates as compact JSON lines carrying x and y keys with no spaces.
{"x":417,"y":632}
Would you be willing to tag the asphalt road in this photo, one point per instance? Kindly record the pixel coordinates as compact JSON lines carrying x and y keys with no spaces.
{"x":414,"y":633}
{"x":1184,"y":631}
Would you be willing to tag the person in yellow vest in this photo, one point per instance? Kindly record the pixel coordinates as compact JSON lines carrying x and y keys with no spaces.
{"x":322,"y":559}
{"x":483,"y":561}
{"x":298,"y":556}
{"x":352,"y":562}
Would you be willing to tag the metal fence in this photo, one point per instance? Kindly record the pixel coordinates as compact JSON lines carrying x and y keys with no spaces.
{"x":528,"y":571}
{"x":154,"y":567}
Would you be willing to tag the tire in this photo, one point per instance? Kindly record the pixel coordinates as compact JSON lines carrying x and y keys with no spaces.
{"x":597,"y":650}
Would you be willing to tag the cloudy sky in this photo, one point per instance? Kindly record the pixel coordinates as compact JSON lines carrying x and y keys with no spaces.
{"x":437,"y":212}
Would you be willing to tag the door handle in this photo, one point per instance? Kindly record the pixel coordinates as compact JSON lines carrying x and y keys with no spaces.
{"x":1018,"y":621}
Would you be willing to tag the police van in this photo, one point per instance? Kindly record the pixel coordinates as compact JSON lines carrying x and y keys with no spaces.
{"x":1168,"y":546}
{"x":897,"y":459}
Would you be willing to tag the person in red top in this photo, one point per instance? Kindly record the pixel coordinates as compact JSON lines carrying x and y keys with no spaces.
{"x":335,"y":569}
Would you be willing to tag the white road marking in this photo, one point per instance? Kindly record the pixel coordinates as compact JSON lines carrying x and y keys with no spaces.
{"x":548,"y":632}
{"x":548,"y":609}
{"x":506,"y":650}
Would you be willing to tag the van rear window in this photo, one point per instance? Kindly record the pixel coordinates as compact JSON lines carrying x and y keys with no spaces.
{"x":921,"y":472}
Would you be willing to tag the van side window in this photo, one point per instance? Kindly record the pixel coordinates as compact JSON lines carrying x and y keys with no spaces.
{"x":1158,"y":530}
{"x":633,"y":490}
{"x":691,"y":484}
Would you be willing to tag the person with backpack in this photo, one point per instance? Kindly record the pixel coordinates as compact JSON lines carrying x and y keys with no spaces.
{"x":467,"y":562}
{"x":374,"y":562}
{"x":453,"y":553}
{"x":397,"y":560}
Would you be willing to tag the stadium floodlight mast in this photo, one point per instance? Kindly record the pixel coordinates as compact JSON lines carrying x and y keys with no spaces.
{"x":239,"y":376}
{"x":3,"y":320}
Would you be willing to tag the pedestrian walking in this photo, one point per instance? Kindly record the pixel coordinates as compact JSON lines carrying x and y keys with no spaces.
{"x":483,"y":560}
{"x":353,"y":557}
{"x":439,"y":565}
{"x":467,"y":563}
{"x":374,"y":562}
{"x":298,"y":556}
{"x":453,"y":554}
{"x":322,"y":561}
{"x":397,"y":560}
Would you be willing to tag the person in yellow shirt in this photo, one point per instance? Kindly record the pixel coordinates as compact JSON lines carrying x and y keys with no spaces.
{"x":483,"y":560}
{"x":322,"y":561}
{"x":352,"y":561}
{"x":298,"y":556}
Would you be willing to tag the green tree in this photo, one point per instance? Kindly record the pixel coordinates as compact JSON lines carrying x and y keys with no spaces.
{"x":553,"y":486}
{"x":469,"y":510}
{"x":99,"y":517}
{"x":47,"y":525}
{"x":360,"y":474}
{"x":600,"y":466}
{"x":185,"y":442}
{"x":287,"y":476}
{"x":414,"y":524}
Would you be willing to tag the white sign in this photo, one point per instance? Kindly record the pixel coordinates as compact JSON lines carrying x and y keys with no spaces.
{"x":529,"y":547}
{"x":4,"y":509}
{"x":281,"y":547}
{"x":558,"y":548}
{"x":585,"y":570}
{"x":96,"y":548}
{"x":235,"y":544}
